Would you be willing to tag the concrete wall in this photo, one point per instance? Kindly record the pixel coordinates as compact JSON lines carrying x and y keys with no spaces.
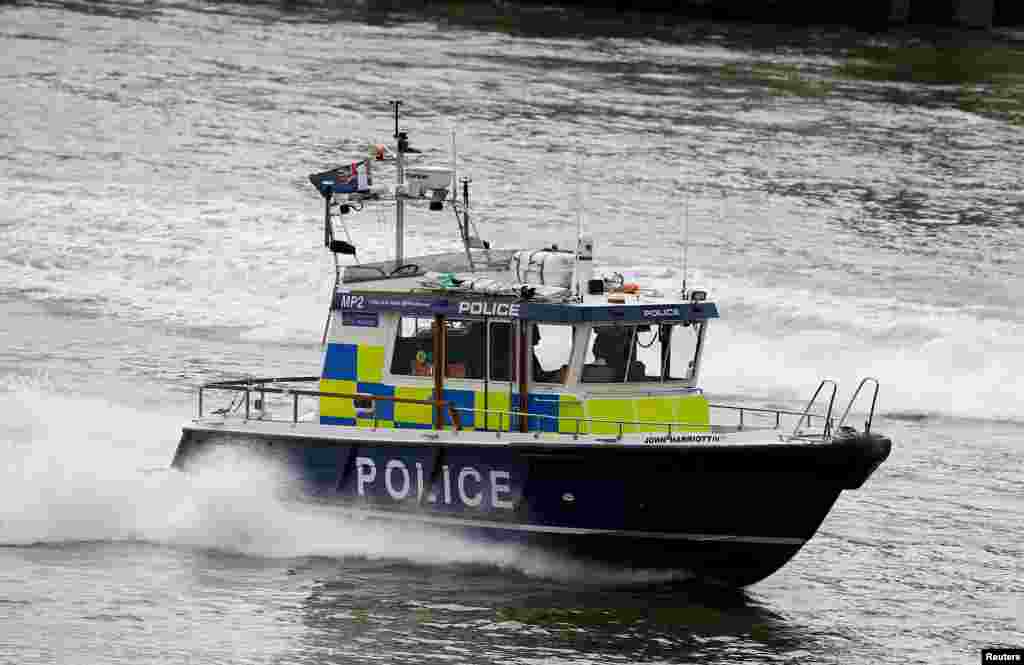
{"x":877,"y":13}
{"x":966,"y":13}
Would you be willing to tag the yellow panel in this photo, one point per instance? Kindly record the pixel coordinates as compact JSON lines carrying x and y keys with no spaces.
{"x":689,"y":410}
{"x":381,"y":424}
{"x":337,"y":407}
{"x":654,"y":410}
{"x":370,"y":360}
{"x":413,"y":413}
{"x":693,"y":409}
{"x":616,"y":410}
{"x":568,"y":408}
{"x":496,"y":401}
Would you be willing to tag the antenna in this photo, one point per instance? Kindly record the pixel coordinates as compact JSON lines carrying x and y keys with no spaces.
{"x":461,"y":219}
{"x":401,"y":144}
{"x":579,"y":222}
{"x":395,"y":104}
{"x":686,"y":230}
{"x":455,"y":164}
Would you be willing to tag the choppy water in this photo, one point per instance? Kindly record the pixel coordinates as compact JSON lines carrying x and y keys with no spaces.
{"x":157,"y":230}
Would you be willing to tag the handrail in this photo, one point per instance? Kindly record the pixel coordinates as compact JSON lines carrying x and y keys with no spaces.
{"x":589,"y":419}
{"x":807,"y":410}
{"x":874,"y":400}
{"x":247,"y":388}
{"x":247,"y":382}
{"x":777,"y":412}
{"x":261,"y":386}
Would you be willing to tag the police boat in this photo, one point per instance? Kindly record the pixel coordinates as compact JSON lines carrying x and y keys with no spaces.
{"x":515,"y":395}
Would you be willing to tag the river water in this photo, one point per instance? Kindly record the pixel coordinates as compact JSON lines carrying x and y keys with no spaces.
{"x":157,"y":230}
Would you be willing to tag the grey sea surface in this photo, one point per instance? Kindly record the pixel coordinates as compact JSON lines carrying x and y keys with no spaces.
{"x":157,"y":230}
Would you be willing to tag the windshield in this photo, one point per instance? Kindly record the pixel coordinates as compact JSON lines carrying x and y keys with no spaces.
{"x":642,"y":353}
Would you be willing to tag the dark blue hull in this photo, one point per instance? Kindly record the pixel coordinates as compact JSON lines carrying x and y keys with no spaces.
{"x":728,"y":513}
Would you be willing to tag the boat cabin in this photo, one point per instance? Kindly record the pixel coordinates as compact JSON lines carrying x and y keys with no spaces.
{"x":507,"y":363}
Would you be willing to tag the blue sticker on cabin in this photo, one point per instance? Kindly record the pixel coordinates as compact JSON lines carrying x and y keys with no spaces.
{"x":360,"y":319}
{"x":335,"y":420}
{"x":340,"y":362}
{"x":384,"y":408}
{"x":463,"y":401}
{"x":543,"y":413}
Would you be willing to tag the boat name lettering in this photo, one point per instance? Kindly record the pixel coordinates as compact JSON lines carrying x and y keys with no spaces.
{"x":351,"y":301}
{"x":666,"y":311}
{"x":684,"y":438}
{"x":467,"y":485}
{"x":481,"y":308}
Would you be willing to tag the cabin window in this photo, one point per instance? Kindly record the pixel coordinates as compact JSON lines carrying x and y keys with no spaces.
{"x":641,"y":353}
{"x":648,"y":353}
{"x":414,"y":348}
{"x":683,"y":341}
{"x":500,"y":344}
{"x":552,"y":352}
{"x":466,"y":349}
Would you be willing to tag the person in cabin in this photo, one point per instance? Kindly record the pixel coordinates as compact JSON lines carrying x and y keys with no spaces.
{"x":501,"y":352}
{"x":611,"y":349}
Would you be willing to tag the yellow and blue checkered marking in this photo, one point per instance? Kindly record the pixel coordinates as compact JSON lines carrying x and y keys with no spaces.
{"x":341,"y":362}
{"x":351,"y":368}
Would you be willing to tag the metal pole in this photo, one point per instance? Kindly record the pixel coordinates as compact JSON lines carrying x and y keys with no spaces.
{"x":440,"y":364}
{"x":327,"y":220}
{"x":464,"y":222}
{"x":399,"y":202}
{"x":524,"y":368}
{"x":400,"y":214}
{"x":200,"y":402}
{"x":295,"y":407}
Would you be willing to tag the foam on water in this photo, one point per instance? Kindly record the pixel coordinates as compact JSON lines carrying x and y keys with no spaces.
{"x":778,"y":343}
{"x":80,"y":469}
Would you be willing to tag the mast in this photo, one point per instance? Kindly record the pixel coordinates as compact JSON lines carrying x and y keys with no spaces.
{"x":576,"y":290}
{"x":464,"y":221}
{"x":401,"y":143}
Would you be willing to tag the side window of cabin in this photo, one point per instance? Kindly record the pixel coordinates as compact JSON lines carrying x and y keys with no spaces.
{"x":641,"y":353}
{"x":499,"y":339}
{"x":608,"y":351}
{"x":552,"y":352}
{"x":414,"y":348}
{"x":648,"y":352}
{"x":466,"y":349}
{"x":682,"y":356}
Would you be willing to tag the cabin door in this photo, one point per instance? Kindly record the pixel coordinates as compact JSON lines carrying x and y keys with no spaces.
{"x":499,"y":385}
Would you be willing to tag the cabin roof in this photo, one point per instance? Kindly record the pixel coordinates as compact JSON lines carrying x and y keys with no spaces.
{"x":508,"y":307}
{"x":454,"y":262}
